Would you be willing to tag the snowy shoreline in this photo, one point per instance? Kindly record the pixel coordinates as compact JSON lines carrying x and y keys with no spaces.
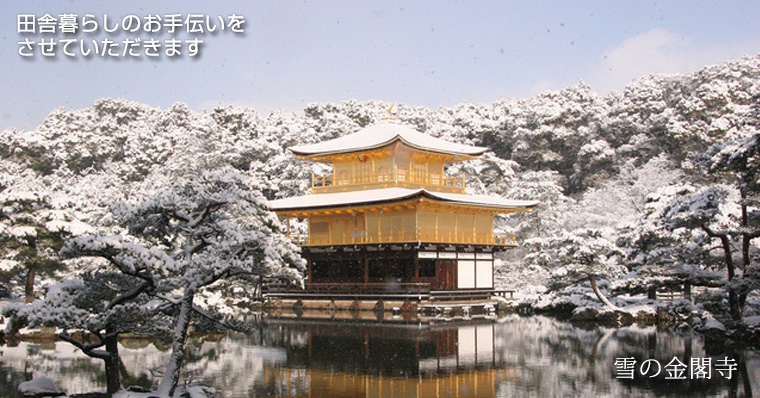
{"x":677,"y":314}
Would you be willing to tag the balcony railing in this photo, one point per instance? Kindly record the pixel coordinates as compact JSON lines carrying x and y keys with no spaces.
{"x":390,"y":176}
{"x":373,"y":291}
{"x":497,"y":239}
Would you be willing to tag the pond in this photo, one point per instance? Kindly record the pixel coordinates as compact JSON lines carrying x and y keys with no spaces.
{"x":506,"y":357}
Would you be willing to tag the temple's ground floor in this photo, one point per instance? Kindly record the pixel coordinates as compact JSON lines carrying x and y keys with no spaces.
{"x":397,"y":268}
{"x":392,"y":280}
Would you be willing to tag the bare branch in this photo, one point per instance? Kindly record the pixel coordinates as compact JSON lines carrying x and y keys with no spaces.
{"x":210,"y":208}
{"x":143,"y":286}
{"x":90,"y":350}
{"x":205,"y":314}
{"x":177,"y":216}
{"x":204,"y":243}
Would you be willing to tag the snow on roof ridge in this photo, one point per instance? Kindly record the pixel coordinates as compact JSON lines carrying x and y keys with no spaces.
{"x":384,"y":133}
{"x":391,"y":194}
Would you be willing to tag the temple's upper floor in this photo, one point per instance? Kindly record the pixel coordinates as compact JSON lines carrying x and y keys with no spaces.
{"x":388,"y":185}
{"x":387,"y":155}
{"x":381,"y":135}
{"x":395,"y":215}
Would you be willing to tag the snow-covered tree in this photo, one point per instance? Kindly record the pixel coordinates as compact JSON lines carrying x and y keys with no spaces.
{"x":31,"y":233}
{"x":212,"y":225}
{"x":585,"y":255}
{"x":660,"y":256}
{"x":530,"y":264}
{"x":738,"y":160}
{"x":713,"y":212}
{"x":94,"y":309}
{"x":590,"y":159}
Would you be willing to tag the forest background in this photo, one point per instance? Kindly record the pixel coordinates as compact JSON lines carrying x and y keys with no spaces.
{"x":649,"y":188}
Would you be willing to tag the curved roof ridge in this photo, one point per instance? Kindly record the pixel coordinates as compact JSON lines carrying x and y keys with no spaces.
{"x":353,"y":198}
{"x":382,"y":134}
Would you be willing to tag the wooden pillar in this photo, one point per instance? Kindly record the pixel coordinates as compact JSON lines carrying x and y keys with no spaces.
{"x":366,"y":268}
{"x":394,"y":168}
{"x":436,"y":225}
{"x":365,"y":220}
{"x":308,"y":265}
{"x":456,"y":228}
{"x":493,"y":236}
{"x":474,"y":221}
{"x":417,"y":231}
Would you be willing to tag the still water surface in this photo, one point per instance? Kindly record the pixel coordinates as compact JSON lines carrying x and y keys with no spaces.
{"x":508,"y":357}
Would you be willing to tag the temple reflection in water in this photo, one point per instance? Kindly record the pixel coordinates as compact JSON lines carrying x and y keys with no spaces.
{"x":381,"y":360}
{"x":511,"y":356}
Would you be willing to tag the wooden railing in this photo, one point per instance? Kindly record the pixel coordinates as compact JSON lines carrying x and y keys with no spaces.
{"x":390,"y":176}
{"x":372,"y":291}
{"x":300,"y":239}
{"x":399,"y":290}
{"x":505,"y":239}
{"x":497,"y":239}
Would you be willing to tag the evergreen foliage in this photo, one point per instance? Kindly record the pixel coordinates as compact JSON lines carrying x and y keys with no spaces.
{"x":647,"y":169}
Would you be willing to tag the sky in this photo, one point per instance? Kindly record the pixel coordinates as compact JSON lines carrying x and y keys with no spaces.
{"x":429,"y":53}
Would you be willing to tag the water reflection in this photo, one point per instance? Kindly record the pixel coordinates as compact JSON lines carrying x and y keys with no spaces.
{"x":513,"y":356}
{"x":381,"y":360}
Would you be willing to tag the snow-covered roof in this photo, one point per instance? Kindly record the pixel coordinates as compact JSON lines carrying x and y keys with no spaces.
{"x":353,"y":198}
{"x":382,"y":134}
